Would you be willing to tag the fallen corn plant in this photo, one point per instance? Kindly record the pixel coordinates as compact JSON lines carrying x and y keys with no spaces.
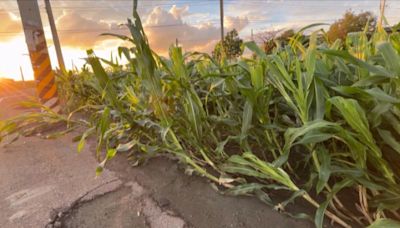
{"x":318,"y":120}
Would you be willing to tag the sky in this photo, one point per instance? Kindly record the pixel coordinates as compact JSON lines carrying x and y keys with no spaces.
{"x":195,"y":23}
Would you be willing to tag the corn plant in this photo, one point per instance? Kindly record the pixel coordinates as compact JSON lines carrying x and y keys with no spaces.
{"x":314,"y":118}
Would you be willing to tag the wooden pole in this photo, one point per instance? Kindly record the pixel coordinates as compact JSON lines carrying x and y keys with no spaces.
{"x":36,"y":41}
{"x":56,"y":40}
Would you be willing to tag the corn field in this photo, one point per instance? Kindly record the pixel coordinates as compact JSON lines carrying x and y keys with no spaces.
{"x":317,"y":120}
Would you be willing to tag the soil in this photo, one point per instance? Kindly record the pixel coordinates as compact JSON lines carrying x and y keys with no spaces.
{"x":191,"y":197}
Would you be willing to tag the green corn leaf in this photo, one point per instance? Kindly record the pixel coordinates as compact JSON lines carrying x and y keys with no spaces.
{"x":356,"y":118}
{"x":320,"y":98}
{"x":238,"y":169}
{"x":82,"y":140}
{"x":389,"y":139}
{"x":381,"y":96}
{"x":248,"y":164}
{"x":310,"y":59}
{"x":366,"y":94}
{"x":325,"y":169}
{"x":264,"y":197}
{"x":104,"y":122}
{"x":395,"y":122}
{"x":357,"y":149}
{"x":257,"y":76}
{"x":319,"y":214}
{"x":126,"y":146}
{"x":244,"y":189}
{"x":99,"y":170}
{"x":385,"y":223}
{"x":102,"y":77}
{"x":252,"y":46}
{"x":313,"y":137}
{"x":371,"y":80}
{"x":268,"y":169}
{"x":292,"y":134}
{"x":282,"y":73}
{"x":376,"y":114}
{"x":247,"y":118}
{"x":390,"y":55}
{"x":379,"y":71}
{"x":111,"y":153}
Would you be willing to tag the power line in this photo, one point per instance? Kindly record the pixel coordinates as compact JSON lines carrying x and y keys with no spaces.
{"x":255,"y":21}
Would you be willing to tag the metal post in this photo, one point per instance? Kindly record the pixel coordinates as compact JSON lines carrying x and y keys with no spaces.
{"x":22,"y":74}
{"x":221,"y":8}
{"x":35,"y":39}
{"x":56,"y":40}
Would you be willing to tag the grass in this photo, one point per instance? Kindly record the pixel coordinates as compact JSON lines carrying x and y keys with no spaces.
{"x":314,"y":119}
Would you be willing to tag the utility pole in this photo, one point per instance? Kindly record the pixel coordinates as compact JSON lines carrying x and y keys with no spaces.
{"x":56,"y":40}
{"x":37,"y":47}
{"x":176,"y":42}
{"x":252,"y":35}
{"x":221,"y":9}
{"x":382,"y":14}
{"x":22,"y":74}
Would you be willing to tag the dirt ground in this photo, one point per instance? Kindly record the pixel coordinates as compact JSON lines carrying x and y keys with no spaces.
{"x":194,"y":199}
{"x":45,"y":183}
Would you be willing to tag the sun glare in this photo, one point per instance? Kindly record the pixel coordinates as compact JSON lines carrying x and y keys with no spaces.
{"x":13,"y":56}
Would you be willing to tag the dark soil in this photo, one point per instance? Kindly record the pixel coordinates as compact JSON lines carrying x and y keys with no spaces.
{"x":194,"y":199}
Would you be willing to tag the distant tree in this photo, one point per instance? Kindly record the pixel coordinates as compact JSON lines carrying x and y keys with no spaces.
{"x":286,"y":35}
{"x":351,"y":22}
{"x":268,"y":39}
{"x":231,"y":46}
{"x":271,"y":39}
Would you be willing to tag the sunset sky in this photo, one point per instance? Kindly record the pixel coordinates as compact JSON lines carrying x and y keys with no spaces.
{"x":194,"y":22}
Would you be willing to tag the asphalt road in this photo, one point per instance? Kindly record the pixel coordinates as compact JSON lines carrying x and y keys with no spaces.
{"x":41,"y":181}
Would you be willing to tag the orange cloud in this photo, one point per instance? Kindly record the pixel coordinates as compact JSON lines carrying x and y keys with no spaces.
{"x":237,"y":23}
{"x":9,"y":28}
{"x":164,"y":27}
{"x":81,"y":32}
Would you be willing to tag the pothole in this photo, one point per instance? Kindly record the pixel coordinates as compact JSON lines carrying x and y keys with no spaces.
{"x":126,"y":206}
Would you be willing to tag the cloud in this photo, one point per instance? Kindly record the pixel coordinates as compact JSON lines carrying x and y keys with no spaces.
{"x":80,"y":28}
{"x":164,"y":27}
{"x":278,"y":14}
{"x":179,"y":12}
{"x":9,"y":28}
{"x":81,"y":32}
{"x":237,"y":23}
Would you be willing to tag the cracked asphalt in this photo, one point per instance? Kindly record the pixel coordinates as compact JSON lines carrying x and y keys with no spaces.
{"x":43,"y":181}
